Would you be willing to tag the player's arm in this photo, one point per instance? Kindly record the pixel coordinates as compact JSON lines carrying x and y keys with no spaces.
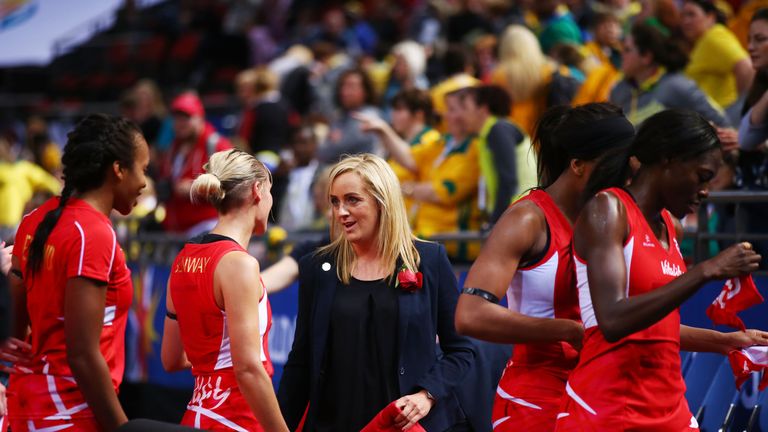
{"x":706,"y":340}
{"x":172,"y":352}
{"x":237,"y":276}
{"x":84,"y":303}
{"x":20,"y":324}
{"x":599,"y":238}
{"x":520,"y":231}
{"x":15,"y":349}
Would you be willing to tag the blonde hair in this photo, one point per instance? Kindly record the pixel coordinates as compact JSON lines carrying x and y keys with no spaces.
{"x":414,"y":57}
{"x":394,"y":237}
{"x":158,"y":107}
{"x":228,"y":178}
{"x":261,"y":80}
{"x":522,"y":62}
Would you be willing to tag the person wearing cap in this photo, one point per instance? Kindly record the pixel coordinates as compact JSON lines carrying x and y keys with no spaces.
{"x":195,"y":140}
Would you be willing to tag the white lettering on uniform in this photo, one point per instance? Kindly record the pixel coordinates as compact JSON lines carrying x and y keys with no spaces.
{"x":670,"y":269}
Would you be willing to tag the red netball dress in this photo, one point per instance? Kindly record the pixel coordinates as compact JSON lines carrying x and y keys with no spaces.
{"x":83,"y":244}
{"x":635,"y":383}
{"x":217,"y":403}
{"x":530,"y":390}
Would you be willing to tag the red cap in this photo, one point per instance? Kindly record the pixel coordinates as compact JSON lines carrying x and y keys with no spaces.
{"x":188,"y":103}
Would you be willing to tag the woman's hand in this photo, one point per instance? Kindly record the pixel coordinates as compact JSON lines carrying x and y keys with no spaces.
{"x":370,"y":122}
{"x":5,"y":258}
{"x":575,"y":333}
{"x":414,"y":407}
{"x":729,"y":138}
{"x":15,"y":351}
{"x":743,"y":339}
{"x":3,"y":401}
{"x":737,"y":260}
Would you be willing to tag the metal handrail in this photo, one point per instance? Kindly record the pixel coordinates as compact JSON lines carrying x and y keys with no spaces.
{"x":701,"y":237}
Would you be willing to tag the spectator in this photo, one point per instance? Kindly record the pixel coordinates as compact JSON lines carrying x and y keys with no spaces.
{"x":298,"y":210}
{"x":411,"y":123}
{"x":662,"y":14}
{"x":533,"y":82}
{"x":605,"y":47}
{"x":19,"y":182}
{"x":556,"y":25}
{"x":753,"y":130}
{"x":486,"y":47}
{"x":486,"y":112}
{"x":446,"y":174}
{"x":458,"y":72}
{"x":293,"y":69}
{"x":195,"y":140}
{"x":652,"y":81}
{"x":718,"y":63}
{"x":40,"y":148}
{"x":265,"y":124}
{"x":354,"y":94}
{"x":604,"y":63}
{"x":407,"y":72}
{"x":149,"y":112}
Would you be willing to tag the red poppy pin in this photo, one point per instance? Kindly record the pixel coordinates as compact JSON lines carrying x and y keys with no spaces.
{"x":408,"y":280}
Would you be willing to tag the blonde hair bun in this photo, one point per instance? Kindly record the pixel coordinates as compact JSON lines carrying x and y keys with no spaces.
{"x":207,"y":188}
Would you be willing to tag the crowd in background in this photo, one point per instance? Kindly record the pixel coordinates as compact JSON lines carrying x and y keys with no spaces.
{"x":449,"y":91}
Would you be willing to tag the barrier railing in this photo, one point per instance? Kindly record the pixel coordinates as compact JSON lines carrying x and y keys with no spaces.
{"x":743,"y":210}
{"x":741,"y":206}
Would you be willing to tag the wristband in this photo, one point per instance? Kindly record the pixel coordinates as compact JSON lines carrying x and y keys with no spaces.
{"x":481,"y":293}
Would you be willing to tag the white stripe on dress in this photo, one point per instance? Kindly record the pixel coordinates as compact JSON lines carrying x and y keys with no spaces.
{"x":82,"y":247}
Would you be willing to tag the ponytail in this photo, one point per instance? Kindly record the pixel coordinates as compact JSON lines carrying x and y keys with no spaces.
{"x":613,"y":170}
{"x":92,"y":147}
{"x":43,"y":231}
{"x":551,"y":159}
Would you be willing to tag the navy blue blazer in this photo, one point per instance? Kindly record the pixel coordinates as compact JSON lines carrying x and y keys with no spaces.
{"x":422,"y":315}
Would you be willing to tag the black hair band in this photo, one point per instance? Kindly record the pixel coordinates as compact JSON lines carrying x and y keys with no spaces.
{"x":172,"y":316}
{"x":17,"y":273}
{"x":596,"y":137}
{"x":481,"y":293}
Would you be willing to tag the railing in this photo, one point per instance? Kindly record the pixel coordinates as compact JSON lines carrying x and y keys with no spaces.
{"x":742,"y":201}
{"x":165,"y":245}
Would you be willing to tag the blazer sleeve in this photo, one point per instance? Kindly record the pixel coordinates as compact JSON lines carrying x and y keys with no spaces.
{"x":293,"y":392}
{"x":458,"y":352}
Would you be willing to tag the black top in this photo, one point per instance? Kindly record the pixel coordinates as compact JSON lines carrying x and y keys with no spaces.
{"x":361,"y":361}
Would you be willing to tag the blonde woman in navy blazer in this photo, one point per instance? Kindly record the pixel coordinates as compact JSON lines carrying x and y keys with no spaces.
{"x":363,"y":339}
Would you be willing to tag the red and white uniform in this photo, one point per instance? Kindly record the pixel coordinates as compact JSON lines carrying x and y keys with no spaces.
{"x":530,"y":390}
{"x":635,"y":383}
{"x":83,"y":244}
{"x":217,"y":403}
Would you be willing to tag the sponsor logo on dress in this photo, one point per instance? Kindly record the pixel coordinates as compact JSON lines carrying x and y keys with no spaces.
{"x":647,"y":241}
{"x":670,"y":269}
{"x":206,"y":389}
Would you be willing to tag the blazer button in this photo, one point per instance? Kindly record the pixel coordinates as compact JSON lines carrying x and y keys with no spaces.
{"x":402,"y":371}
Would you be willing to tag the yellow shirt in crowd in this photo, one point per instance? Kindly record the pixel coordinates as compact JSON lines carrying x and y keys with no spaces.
{"x":426,"y":137}
{"x":454,"y":173}
{"x":711,"y":64}
{"x":18,"y":183}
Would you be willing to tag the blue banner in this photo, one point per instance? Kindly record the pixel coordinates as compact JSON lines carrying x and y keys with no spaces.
{"x":145,"y":324}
